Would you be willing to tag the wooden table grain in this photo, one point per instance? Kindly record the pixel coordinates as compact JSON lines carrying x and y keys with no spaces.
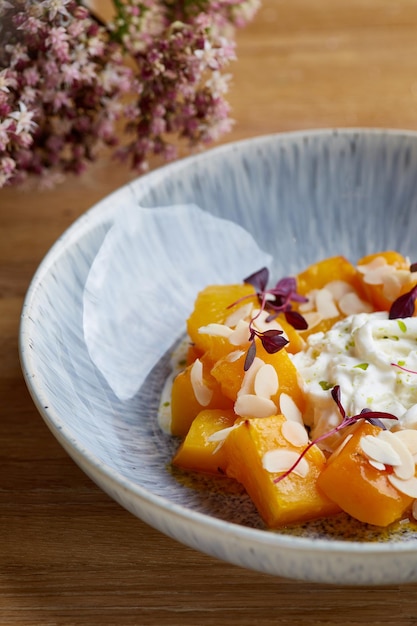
{"x":68,"y":554}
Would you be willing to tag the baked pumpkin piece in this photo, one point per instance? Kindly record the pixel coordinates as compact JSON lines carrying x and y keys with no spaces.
{"x":193,"y":390}
{"x":358,"y":487}
{"x":201,"y":449}
{"x":256,"y":448}
{"x":334,"y":291}
{"x":385,"y":276}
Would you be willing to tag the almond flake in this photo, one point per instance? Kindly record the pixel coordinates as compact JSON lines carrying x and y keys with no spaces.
{"x":312,"y":318}
{"x":217,"y":330}
{"x":289,"y":409}
{"x":280,"y":460}
{"x":376,"y":263}
{"x":247,"y":385}
{"x":379,"y":450}
{"x":261,"y":324}
{"x":239,"y":314}
{"x":406,"y":468}
{"x":339,"y":288}
{"x":249,"y":405}
{"x":220,"y":436}
{"x":234,"y":356}
{"x":240,"y":335}
{"x":325,"y":304}
{"x":294,"y":433}
{"x":407,"y":487}
{"x":350,"y":304}
{"x":266,"y":382}
{"x":409,"y":439}
{"x":202,"y":393}
{"x":377,"y":465}
{"x":392,"y":283}
{"x":414,"y":509}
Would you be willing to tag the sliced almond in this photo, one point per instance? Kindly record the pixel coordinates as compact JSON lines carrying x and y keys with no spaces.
{"x":294,"y":433}
{"x":312,"y":318}
{"x":406,"y":468}
{"x":409,"y":438}
{"x":379,"y":450}
{"x":407,"y":487}
{"x":325,"y":304}
{"x":266,"y":382}
{"x":220,"y":436}
{"x":217,"y":330}
{"x":338,"y":288}
{"x":202,"y":393}
{"x":377,"y":465}
{"x":414,"y":509}
{"x":350,"y":304}
{"x":239,"y":314}
{"x":249,"y":405}
{"x":248,"y":381}
{"x":289,"y":409}
{"x":281,"y":460}
{"x":234,"y":356}
{"x":261,"y":324}
{"x":240,"y":335}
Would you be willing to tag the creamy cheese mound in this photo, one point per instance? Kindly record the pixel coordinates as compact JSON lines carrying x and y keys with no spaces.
{"x":367,"y":355}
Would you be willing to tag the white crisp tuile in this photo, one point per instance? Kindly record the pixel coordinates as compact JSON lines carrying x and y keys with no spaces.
{"x":151,"y":264}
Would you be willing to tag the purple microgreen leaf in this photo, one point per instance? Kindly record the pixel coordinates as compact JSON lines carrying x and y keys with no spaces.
{"x":258,"y":279}
{"x":285,"y":286}
{"x":296,"y":320}
{"x":273,"y":340}
{"x":404,"y":305}
{"x":250,"y":356}
{"x":413,"y":267}
{"x":336,"y":397}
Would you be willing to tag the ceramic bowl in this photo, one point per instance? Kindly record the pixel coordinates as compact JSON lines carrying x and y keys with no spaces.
{"x":295,"y":198}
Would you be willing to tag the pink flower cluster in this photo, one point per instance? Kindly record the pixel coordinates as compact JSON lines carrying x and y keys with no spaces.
{"x":65,"y":81}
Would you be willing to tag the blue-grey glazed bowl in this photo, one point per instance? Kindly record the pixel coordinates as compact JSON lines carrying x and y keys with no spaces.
{"x":303,"y":196}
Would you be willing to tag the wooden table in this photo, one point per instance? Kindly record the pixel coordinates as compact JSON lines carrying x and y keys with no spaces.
{"x":70,"y":555}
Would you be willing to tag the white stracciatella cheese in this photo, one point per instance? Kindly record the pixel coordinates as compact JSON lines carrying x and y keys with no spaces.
{"x":366,"y":355}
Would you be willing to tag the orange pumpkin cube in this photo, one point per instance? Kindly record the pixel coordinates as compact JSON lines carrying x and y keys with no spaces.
{"x":317,"y":276}
{"x":213,"y":306}
{"x":295,"y":498}
{"x":185,"y":405}
{"x":197,"y":452}
{"x":383,"y":294}
{"x":359,"y":488}
{"x":230,"y":373}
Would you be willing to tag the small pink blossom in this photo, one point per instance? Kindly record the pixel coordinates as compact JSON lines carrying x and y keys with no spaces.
{"x":65,"y":83}
{"x":23,"y":119}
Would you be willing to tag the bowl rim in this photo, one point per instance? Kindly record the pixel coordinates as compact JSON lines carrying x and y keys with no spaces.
{"x":88,"y":461}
